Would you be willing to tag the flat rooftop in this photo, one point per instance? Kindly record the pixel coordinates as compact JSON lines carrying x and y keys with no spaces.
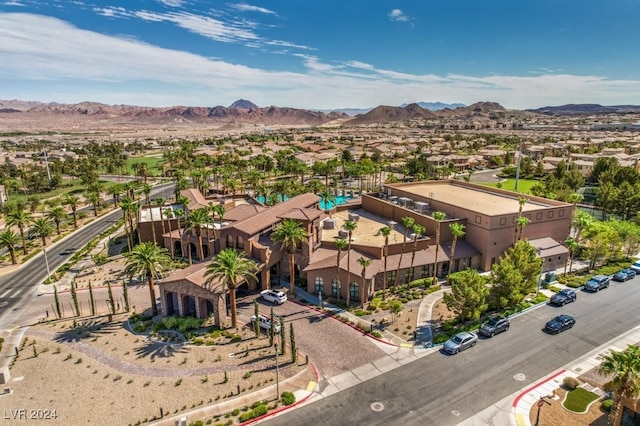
{"x":367,"y":231}
{"x":474,"y":199}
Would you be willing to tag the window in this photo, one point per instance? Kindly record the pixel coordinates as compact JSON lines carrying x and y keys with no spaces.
{"x":335,"y":287}
{"x":354,"y":290}
{"x":539,"y":216}
{"x":319,"y":284}
{"x":503,"y":221}
{"x":229,"y":241}
{"x":240,"y":242}
{"x":391,"y":277}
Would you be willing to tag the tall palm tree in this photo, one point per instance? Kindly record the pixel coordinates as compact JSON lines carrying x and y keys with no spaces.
{"x":231,"y":267}
{"x":364,"y":262}
{"x":457,"y":231}
{"x":158,"y":202}
{"x":9,"y":240}
{"x":408,"y":223}
{"x":72,"y":201}
{"x":290,"y":233}
{"x":168,"y":213}
{"x":220,"y":210}
{"x":20,"y":218}
{"x":520,"y":224}
{"x":57,"y":215}
{"x":95,"y":200}
{"x":126,"y":205}
{"x":572,"y":245}
{"x":625,"y":368}
{"x":149,"y":260}
{"x":521,"y":202}
{"x":350,"y":226}
{"x":341,"y":244}
{"x":438,"y":217}
{"x":385,"y":231}
{"x":41,"y":228}
{"x":198,"y":219}
{"x":417,"y":230}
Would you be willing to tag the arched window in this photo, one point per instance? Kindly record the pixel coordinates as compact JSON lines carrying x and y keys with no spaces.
{"x":335,"y":287}
{"x":319,"y":284}
{"x":354,"y":290}
{"x":229,"y":241}
{"x":240,"y":242}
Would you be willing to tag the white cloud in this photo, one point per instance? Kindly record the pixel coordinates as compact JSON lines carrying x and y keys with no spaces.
{"x":243,"y":7}
{"x":398,"y":15}
{"x":13,"y":3}
{"x":172,"y":3}
{"x":77,"y":65}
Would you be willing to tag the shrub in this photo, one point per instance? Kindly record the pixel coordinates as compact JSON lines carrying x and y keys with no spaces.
{"x":606,"y":405}
{"x":288,"y":398}
{"x":570,"y":383}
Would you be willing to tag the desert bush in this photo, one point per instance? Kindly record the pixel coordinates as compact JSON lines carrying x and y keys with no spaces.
{"x":570,"y":383}
{"x":288,"y":398}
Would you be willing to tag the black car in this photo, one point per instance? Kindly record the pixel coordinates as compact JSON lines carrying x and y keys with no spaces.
{"x":559,"y":323}
{"x":624,"y":275}
{"x":68,"y":251}
{"x":597,"y":283}
{"x":494,"y":325}
{"x":564,"y":296}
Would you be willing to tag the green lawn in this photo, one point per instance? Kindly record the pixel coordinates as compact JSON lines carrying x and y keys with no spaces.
{"x":153,"y":163}
{"x":524,"y":185}
{"x":578,"y":400}
{"x":75,"y":187}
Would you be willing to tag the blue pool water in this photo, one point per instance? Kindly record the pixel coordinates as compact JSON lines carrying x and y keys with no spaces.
{"x":324,"y":206}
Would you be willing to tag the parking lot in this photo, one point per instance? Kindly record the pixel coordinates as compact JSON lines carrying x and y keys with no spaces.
{"x":331,"y":345}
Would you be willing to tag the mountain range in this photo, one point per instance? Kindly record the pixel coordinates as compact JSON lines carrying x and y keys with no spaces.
{"x":17,"y":115}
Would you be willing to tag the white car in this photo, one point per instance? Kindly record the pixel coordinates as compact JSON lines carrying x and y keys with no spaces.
{"x":274,"y":296}
{"x":265,"y":322}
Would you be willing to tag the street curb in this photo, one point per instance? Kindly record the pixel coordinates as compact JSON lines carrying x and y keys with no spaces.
{"x":537,"y":385}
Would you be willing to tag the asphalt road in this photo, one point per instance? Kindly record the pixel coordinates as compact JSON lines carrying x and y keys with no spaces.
{"x":18,"y":286}
{"x":445,"y":390}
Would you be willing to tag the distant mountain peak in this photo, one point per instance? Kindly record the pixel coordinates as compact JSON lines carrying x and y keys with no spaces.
{"x":243,"y":104}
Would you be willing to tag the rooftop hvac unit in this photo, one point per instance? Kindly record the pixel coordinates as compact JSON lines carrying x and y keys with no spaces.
{"x":393,"y":199}
{"x":330,"y":224}
{"x":405,"y":201}
{"x":354,"y":216}
{"x":343,"y":233}
{"x":421,"y":206}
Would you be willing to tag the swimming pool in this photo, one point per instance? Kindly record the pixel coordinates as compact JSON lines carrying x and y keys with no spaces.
{"x":339,"y":200}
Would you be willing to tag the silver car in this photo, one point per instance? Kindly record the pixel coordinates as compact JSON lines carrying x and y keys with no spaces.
{"x":460,"y":342}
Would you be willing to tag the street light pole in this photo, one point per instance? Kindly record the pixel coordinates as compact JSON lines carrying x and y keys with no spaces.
{"x":541,"y":402}
{"x":277,"y":373}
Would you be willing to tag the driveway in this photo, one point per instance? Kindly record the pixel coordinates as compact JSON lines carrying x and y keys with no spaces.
{"x":332,"y":346}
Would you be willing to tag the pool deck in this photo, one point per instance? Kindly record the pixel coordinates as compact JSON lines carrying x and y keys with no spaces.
{"x":367,"y":231}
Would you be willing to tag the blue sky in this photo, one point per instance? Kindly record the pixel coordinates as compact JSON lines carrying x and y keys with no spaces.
{"x":321,"y":54}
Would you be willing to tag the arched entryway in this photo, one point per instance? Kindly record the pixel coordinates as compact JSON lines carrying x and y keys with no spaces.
{"x":206,"y":308}
{"x":177,"y":249}
{"x":188,"y":306}
{"x":205,"y":251}
{"x":171,"y":302}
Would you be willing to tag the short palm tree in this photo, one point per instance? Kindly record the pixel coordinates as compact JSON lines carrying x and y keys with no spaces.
{"x":149,"y":260}
{"x":341,"y":244}
{"x":408,"y":223}
{"x":289,"y":233}
{"x":457,"y":231}
{"x":385,"y":231}
{"x":438,"y":217}
{"x":365,"y":263}
{"x":625,"y":368}
{"x":41,"y":228}
{"x":57,"y":215}
{"x":231,"y":267}
{"x":9,"y":240}
{"x":350,"y":226}
{"x":21,"y":219}
{"x":72,"y":201}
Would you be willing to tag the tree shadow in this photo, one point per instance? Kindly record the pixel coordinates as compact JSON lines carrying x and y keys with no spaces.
{"x":89,"y":329}
{"x":153,"y":349}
